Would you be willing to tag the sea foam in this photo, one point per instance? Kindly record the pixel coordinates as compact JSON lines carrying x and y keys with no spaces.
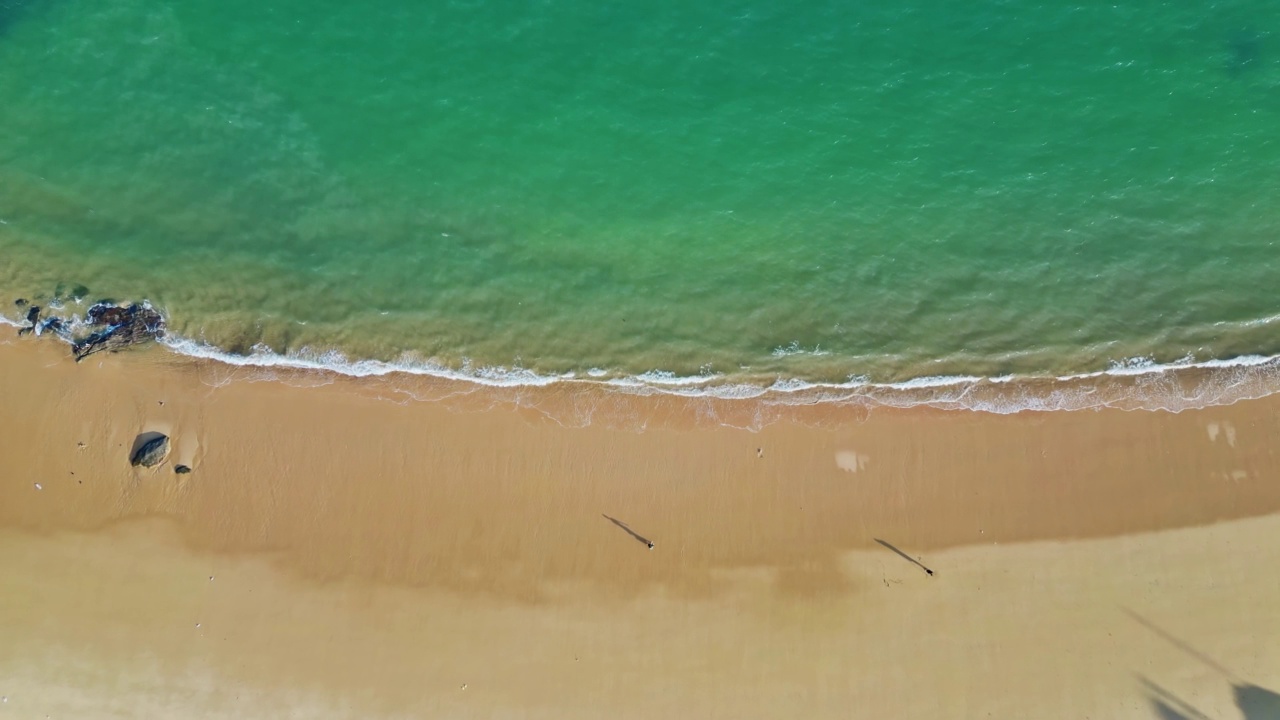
{"x":1181,"y":385}
{"x":1138,"y":383}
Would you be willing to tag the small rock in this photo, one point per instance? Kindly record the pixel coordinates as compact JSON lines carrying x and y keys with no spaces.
{"x":181,"y":469}
{"x":20,"y":302}
{"x":152,"y":452}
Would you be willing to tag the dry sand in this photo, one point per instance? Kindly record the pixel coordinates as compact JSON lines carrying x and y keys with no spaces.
{"x":342,"y":549}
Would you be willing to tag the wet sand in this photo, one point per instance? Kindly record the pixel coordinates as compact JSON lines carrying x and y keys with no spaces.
{"x":342,"y":549}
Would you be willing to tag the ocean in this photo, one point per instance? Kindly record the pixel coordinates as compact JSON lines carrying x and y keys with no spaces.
{"x":756,"y":193}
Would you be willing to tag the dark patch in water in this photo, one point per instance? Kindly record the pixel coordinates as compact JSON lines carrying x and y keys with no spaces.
{"x":73,"y":292}
{"x":10,"y":11}
{"x":1244,"y":52}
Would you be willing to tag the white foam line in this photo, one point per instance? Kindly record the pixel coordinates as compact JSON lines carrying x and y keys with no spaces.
{"x":664,"y":377}
{"x":1255,"y":322}
{"x":931,"y":381}
{"x":333,"y":361}
{"x":686,"y":386}
{"x":956,"y":389}
{"x":1146,"y":366}
{"x":1241,"y":361}
{"x":710,"y":386}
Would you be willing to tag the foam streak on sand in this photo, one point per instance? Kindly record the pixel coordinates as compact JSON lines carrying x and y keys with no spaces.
{"x":455,"y":559}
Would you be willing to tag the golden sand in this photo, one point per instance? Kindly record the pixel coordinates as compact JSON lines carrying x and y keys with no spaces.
{"x":342,"y":549}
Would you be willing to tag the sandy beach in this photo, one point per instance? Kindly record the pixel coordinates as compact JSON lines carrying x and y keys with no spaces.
{"x":408,"y":547}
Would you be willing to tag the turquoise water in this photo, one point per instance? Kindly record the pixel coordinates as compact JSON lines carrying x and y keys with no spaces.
{"x":752,"y":189}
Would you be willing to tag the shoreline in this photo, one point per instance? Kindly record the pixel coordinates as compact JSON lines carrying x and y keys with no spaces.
{"x":1187,"y":384}
{"x":441,"y":537}
{"x":1132,"y":384}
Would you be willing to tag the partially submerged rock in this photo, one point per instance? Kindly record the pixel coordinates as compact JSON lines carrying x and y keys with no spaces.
{"x":120,"y":326}
{"x":150,"y":452}
{"x":181,"y":469}
{"x":108,"y":326}
{"x":76,"y":292}
{"x":52,"y":324}
{"x":33,"y":317}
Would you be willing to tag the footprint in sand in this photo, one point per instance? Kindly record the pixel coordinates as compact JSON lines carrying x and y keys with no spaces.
{"x":850,"y":461}
{"x":1226,"y":429}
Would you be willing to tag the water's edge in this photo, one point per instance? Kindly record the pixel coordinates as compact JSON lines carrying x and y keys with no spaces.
{"x":1135,"y":384}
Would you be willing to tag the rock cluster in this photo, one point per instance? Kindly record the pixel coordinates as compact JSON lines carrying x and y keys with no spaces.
{"x":110,"y":326}
{"x":119,"y":326}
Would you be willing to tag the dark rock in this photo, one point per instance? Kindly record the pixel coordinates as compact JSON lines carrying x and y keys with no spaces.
{"x":33,"y":316}
{"x":20,"y":302}
{"x":121,"y":326}
{"x":79,"y":292}
{"x":54,"y":325}
{"x":149,"y":453}
{"x":182,"y":469}
{"x":104,"y":314}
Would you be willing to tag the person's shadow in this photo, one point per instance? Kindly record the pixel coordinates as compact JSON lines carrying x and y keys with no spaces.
{"x":1168,"y":706}
{"x":629,"y":531}
{"x":1254,"y":702}
{"x":1257,"y":703}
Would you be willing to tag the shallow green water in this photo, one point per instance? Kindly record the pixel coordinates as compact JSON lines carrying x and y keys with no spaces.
{"x":801,"y":189}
